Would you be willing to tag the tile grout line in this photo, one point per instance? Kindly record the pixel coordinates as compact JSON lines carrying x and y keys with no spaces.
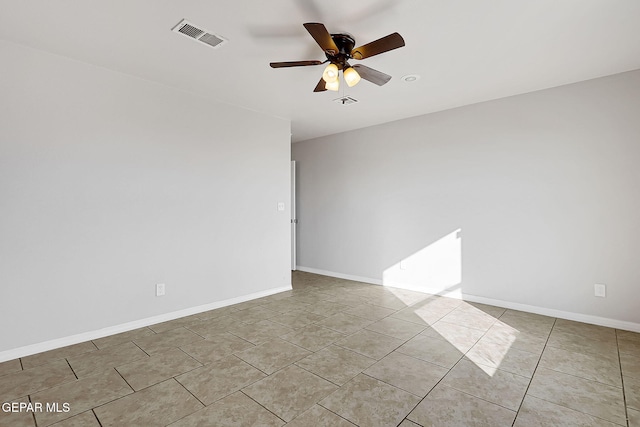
{"x":71,"y":367}
{"x":261,"y":405}
{"x":194,"y":396}
{"x":96,"y":416}
{"x":534,"y":372}
{"x":624,"y":395}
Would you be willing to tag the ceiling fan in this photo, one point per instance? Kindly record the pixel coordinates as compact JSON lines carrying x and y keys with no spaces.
{"x":339,"y":48}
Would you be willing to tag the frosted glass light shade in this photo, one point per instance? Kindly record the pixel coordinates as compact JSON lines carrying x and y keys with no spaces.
{"x":330,"y":73}
{"x":351,"y":76}
{"x":334,"y":86}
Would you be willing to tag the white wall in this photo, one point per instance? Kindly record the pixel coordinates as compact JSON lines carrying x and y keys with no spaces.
{"x":110,"y":184}
{"x":544,"y":188}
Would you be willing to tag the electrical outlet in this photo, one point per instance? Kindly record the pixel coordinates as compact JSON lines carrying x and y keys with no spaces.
{"x":600,"y":290}
{"x":403,"y":265}
{"x":280,"y":206}
{"x":160,"y":289}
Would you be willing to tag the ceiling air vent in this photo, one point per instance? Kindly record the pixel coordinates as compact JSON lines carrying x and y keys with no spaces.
{"x":193,"y":31}
{"x":345,"y":100}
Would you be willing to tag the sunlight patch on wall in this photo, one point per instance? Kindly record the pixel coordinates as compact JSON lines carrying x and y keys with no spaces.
{"x":435,"y":269}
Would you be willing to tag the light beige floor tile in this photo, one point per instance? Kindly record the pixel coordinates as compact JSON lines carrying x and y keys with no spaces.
{"x":584,"y":365}
{"x":493,"y":385}
{"x":273,"y":355}
{"x":592,"y":332}
{"x":503,"y":335}
{"x":425,"y":312}
{"x":85,"y":419}
{"x":407,"y":423}
{"x":213,"y":327}
{"x":397,"y":328}
{"x":366,"y":401}
{"x":215,"y":381}
{"x":447,"y":407}
{"x":336,"y":364}
{"x":289,"y":392}
{"x":158,"y":405}
{"x":157,"y":368}
{"x":175,"y":323}
{"x":634,"y":418}
{"x":506,"y":358}
{"x":317,"y":416}
{"x":82,"y":395}
{"x":313,"y":337}
{"x":122,"y":338}
{"x":580,"y":344}
{"x":29,"y":381}
{"x":540,"y":413}
{"x":346,"y":299}
{"x":476,"y":320}
{"x":10,"y":367}
{"x":253,"y":315}
{"x":475,"y":307}
{"x":407,"y":373}
{"x":93,"y":362}
{"x":533,"y":320}
{"x":593,"y":398}
{"x":370,"y":312}
{"x":460,"y":337}
{"x":235,"y":410}
{"x":259,"y":332}
{"x":370,"y":344}
{"x":297,"y":319}
{"x":632,"y":393}
{"x":165,"y":340}
{"x":248,"y":304}
{"x":328,"y":308}
{"x":627,"y":346}
{"x":344,"y":323}
{"x":286,"y":305}
{"x":16,"y":418}
{"x":59,"y":353}
{"x":215,"y":347}
{"x":630,"y":365}
{"x":389,"y":301}
{"x":218,"y":312}
{"x":431,"y":349}
{"x":628,"y":335}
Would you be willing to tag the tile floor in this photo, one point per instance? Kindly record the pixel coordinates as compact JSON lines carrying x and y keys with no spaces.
{"x":337,"y":353}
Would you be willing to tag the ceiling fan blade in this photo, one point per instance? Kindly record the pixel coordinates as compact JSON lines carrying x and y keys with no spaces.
{"x":322,"y":37}
{"x":294,"y":64}
{"x":385,"y":44}
{"x":320,"y":87}
{"x":374,"y":76}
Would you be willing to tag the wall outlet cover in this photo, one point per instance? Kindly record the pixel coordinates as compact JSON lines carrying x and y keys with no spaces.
{"x":600,"y":290}
{"x":160,"y":289}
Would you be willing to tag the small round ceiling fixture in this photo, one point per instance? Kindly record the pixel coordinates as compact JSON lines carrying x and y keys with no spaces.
{"x":410,"y":78}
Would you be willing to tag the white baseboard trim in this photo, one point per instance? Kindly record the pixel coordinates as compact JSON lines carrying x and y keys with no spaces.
{"x":340,"y":275}
{"x":125,"y":327}
{"x":568,"y":315}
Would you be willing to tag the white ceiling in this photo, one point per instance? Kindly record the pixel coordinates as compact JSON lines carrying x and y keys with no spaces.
{"x":465,"y":51}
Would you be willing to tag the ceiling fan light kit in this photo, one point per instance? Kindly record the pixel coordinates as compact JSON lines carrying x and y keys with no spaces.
{"x":339,"y":48}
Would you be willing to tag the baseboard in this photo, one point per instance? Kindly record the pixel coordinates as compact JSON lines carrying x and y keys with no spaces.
{"x":125,"y":327}
{"x":568,"y":315}
{"x":339,"y":275}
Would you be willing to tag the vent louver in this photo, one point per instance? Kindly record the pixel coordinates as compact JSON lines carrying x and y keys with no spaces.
{"x":194,"y":32}
{"x":345,"y":100}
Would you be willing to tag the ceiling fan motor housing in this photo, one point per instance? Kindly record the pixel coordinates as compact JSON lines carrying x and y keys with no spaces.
{"x":345,"y":44}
